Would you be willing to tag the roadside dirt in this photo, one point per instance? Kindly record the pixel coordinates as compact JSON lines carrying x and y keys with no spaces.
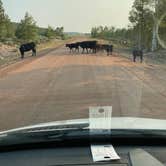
{"x":61,"y":86}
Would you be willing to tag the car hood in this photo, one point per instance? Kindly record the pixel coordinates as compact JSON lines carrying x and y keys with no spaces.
{"x":125,"y":123}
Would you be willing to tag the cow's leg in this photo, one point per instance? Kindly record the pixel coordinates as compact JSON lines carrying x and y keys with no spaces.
{"x":111,"y":52}
{"x":94,"y":51}
{"x":34,"y":51}
{"x":134,"y":58}
{"x":141,"y":58}
{"x":22,"y":55}
{"x":87,"y":50}
{"x":107,"y":52}
{"x":82,"y":50}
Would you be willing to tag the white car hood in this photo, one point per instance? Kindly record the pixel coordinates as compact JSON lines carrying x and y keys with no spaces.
{"x":129,"y":123}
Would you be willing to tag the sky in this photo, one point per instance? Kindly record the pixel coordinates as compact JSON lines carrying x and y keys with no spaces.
{"x":73,"y":15}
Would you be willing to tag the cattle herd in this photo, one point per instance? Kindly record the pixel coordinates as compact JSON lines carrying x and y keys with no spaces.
{"x":90,"y":47}
{"x":86,"y":46}
{"x":94,"y":47}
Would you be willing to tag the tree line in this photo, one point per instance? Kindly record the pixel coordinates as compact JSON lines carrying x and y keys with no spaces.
{"x":27,"y":30}
{"x":144,"y":28}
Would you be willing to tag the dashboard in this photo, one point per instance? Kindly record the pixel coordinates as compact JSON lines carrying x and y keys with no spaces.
{"x":81,"y":156}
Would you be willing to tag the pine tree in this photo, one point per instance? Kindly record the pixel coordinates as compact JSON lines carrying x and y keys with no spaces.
{"x":27,"y":30}
{"x":9,"y":28}
{"x":6,"y":27}
{"x":2,"y":21}
{"x":50,"y":32}
{"x":141,"y":17}
{"x":59,"y":31}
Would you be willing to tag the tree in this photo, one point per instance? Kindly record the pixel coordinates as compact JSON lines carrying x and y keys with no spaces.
{"x":141,"y":17}
{"x":59,"y":31}
{"x":94,"y":32}
{"x":2,"y":20}
{"x":6,"y":27}
{"x":50,"y":32}
{"x":27,"y":30}
{"x":9,"y":28}
{"x":144,"y":16}
{"x":159,"y":24}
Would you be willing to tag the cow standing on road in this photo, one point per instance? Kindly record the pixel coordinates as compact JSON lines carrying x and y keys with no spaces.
{"x":28,"y":47}
{"x":73,"y":46}
{"x":138,"y":53}
{"x":105,"y":47}
{"x":109,"y":49}
{"x":92,"y":45}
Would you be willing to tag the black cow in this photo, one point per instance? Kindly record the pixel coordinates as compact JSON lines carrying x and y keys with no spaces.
{"x":73,"y":46}
{"x":92,"y":45}
{"x":28,"y":47}
{"x":136,"y":53}
{"x":105,"y":47}
{"x":109,"y":49}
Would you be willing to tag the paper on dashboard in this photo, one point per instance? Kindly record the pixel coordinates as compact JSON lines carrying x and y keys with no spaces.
{"x":103,"y":153}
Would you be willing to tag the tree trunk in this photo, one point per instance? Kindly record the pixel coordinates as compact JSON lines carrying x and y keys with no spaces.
{"x":154,"y":37}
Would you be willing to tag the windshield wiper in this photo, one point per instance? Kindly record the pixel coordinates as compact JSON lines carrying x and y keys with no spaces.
{"x":43,"y":134}
{"x":73,"y":132}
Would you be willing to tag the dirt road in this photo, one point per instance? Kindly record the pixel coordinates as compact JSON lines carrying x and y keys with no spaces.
{"x":60,"y":86}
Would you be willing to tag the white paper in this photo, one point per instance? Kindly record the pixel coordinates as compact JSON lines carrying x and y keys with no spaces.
{"x":103,"y":153}
{"x":100,"y":120}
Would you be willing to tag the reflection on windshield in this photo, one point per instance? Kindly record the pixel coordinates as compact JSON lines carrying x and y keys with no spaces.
{"x":56,"y":66}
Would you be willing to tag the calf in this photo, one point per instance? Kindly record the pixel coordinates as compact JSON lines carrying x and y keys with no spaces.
{"x":137,"y":53}
{"x":28,"y":47}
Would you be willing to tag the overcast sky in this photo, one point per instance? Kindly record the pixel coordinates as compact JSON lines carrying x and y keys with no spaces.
{"x":74,"y":15}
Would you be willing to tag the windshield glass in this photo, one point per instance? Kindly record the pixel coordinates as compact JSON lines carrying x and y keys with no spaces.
{"x":60,"y":57}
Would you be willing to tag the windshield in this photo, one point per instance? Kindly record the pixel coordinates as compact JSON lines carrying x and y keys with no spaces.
{"x":58,"y":58}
